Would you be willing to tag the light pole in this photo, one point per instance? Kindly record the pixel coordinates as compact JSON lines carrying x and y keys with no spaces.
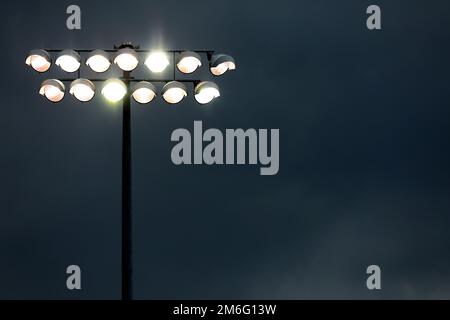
{"x":127,"y":222}
{"x":127,"y":59}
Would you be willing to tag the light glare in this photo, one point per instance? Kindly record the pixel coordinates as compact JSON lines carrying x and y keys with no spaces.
{"x":126,"y":62}
{"x":206,"y":92}
{"x":157,"y":62}
{"x":114,"y":90}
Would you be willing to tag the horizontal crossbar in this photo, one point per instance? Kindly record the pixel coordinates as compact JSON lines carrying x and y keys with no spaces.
{"x":134,"y":80}
{"x":137,"y":50}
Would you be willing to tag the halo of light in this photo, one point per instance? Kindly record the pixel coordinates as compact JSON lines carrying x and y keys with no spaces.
{"x":114,"y":90}
{"x":144,"y":92}
{"x":126,"y":59}
{"x":39,"y":60}
{"x":69,"y":60}
{"x":99,"y":61}
{"x":52,"y":89}
{"x":174,"y":92}
{"x":157,"y":61}
{"x":221,"y":63}
{"x":189,"y":62}
{"x":205,"y":92}
{"x":82,"y":89}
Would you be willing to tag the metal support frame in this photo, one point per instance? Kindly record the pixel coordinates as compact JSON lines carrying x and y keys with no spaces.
{"x":137,"y":50}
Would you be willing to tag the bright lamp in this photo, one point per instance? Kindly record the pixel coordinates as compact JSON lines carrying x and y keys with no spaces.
{"x":69,"y":60}
{"x":221,"y":63}
{"x":157,"y":62}
{"x":53,"y":90}
{"x":99,"y":61}
{"x":39,"y":60}
{"x":82,"y":89}
{"x":174,"y":92}
{"x":144,"y":92}
{"x":127,"y":59}
{"x":189,"y":62}
{"x":205,"y":92}
{"x":114,"y":90}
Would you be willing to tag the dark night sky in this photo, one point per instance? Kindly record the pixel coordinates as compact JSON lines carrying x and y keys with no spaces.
{"x":364,"y":179}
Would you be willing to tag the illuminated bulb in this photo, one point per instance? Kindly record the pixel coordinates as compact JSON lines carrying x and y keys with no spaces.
{"x":144,"y":92}
{"x":114,"y":90}
{"x":174,"y":92}
{"x":69,"y":61}
{"x":189,"y":62}
{"x":206,"y":92}
{"x":157,"y":62}
{"x":222,"y":63}
{"x":98,"y":61}
{"x":82,"y":89}
{"x":39,"y":60}
{"x":53,"y":90}
{"x":174,"y":95}
{"x":127,"y":59}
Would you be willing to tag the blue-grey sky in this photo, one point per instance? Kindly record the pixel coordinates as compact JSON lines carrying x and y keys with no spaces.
{"x":364,"y":175}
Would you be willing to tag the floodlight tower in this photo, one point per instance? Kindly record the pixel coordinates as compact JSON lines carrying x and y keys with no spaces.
{"x":127,"y":59}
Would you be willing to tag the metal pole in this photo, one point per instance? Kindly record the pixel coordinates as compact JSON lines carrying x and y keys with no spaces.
{"x":127,"y":267}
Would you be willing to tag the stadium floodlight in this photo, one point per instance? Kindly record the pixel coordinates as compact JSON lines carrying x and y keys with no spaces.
{"x":53,"y":90}
{"x":114,"y":90}
{"x":206,"y":91}
{"x":69,"y":60}
{"x":127,"y":59}
{"x":82,"y":89}
{"x":157,"y":61}
{"x":221,"y":63}
{"x":174,"y":92}
{"x":39,"y":60}
{"x":144,"y":92}
{"x":189,"y":62}
{"x":99,"y":61}
{"x":124,"y":88}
